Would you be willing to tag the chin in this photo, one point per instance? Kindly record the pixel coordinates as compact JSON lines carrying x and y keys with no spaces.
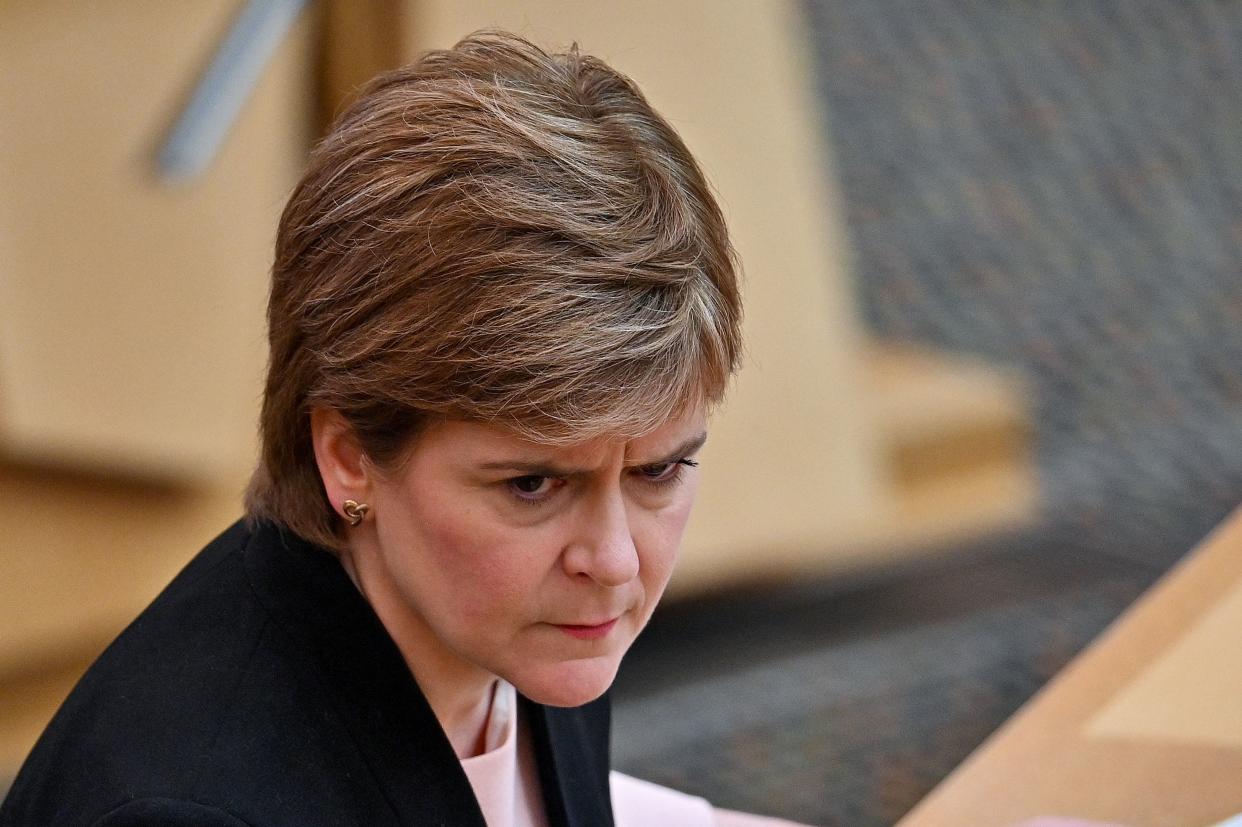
{"x":568,"y":683}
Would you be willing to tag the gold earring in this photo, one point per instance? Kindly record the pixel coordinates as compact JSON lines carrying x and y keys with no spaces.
{"x":355,"y":512}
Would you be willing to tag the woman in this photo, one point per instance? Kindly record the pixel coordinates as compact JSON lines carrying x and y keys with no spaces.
{"x":503,"y":304}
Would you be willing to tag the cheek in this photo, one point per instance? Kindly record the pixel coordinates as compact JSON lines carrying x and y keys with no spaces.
{"x":482,"y":569}
{"x":662,"y":537}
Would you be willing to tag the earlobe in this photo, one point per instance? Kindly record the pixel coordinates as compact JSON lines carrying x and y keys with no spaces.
{"x":341,"y":460}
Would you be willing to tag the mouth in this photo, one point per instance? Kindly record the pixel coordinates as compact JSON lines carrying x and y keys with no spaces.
{"x":587,"y":632}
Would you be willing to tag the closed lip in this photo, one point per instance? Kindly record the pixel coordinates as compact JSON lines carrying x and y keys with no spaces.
{"x":587,"y":630}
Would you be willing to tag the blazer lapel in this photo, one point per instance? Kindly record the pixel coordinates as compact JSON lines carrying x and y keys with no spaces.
{"x":310,"y":595}
{"x":572,"y":749}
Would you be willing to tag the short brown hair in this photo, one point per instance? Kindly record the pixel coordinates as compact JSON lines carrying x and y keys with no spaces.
{"x":494,"y":233}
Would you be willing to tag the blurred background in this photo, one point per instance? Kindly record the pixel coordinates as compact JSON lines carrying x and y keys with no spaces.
{"x":993,"y":317}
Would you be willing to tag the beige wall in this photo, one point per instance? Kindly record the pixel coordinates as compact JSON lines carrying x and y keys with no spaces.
{"x":130,"y":309}
{"x":131,"y":341}
{"x":131,"y":334}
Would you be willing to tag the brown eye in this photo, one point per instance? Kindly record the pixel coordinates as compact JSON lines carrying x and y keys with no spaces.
{"x":532,"y":487}
{"x":665,"y":472}
{"x":661,"y":472}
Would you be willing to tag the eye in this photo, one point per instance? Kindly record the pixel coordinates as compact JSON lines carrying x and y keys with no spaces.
{"x":533,"y":488}
{"x":665,"y":472}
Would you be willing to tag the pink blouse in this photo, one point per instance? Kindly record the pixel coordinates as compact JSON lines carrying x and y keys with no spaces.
{"x":506,"y":784}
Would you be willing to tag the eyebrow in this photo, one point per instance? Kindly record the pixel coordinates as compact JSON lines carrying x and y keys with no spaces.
{"x":545,"y":469}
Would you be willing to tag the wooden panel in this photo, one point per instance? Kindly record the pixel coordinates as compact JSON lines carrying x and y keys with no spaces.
{"x":1081,"y":748}
{"x":131,"y":335}
{"x":131,"y":329}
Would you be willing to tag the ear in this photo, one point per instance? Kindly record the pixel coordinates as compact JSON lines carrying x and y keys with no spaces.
{"x":342,"y":463}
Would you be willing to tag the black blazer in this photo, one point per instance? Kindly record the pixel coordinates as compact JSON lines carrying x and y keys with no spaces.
{"x":260,"y":689}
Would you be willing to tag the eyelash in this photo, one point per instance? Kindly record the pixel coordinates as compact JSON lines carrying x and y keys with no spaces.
{"x":674,"y":471}
{"x":674,"y":476}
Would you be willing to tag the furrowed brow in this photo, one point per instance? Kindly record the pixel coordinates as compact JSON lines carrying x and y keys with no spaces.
{"x":682,"y":451}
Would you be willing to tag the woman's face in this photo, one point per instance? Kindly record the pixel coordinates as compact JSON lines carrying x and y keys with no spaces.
{"x":537,"y":564}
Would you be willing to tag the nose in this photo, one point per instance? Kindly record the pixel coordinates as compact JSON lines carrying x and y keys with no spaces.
{"x":603,"y":548}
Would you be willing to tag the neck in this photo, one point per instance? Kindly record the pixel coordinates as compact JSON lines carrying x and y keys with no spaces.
{"x":459,"y":693}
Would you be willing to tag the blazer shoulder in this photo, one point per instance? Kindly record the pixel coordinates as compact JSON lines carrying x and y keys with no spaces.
{"x":144,"y":716}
